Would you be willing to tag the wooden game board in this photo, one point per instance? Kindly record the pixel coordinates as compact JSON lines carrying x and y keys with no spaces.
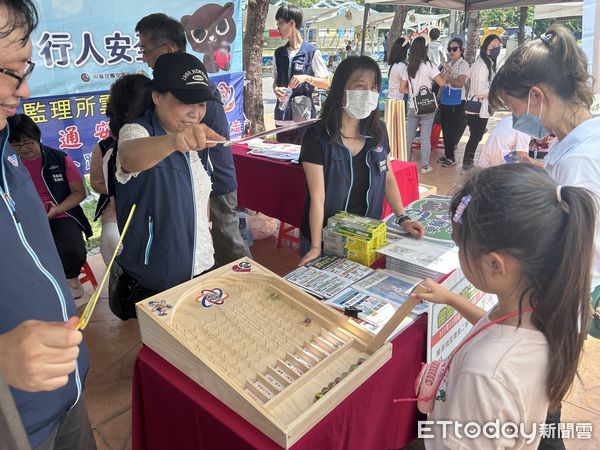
{"x":262,"y":346}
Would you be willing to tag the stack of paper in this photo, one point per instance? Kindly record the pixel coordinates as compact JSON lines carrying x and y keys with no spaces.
{"x":327,"y":275}
{"x":377,"y":296}
{"x":420,"y":259}
{"x":279,"y":151}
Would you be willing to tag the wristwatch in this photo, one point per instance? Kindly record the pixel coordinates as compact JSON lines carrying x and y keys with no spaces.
{"x":401,"y":219}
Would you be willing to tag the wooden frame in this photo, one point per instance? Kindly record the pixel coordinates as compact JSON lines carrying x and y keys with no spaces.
{"x":277,"y":356}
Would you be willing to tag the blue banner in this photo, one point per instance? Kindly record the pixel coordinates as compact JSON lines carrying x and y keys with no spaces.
{"x":81,"y":47}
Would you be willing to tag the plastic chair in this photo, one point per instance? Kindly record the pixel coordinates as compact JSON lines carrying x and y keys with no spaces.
{"x":88,"y":275}
{"x":285,"y":234}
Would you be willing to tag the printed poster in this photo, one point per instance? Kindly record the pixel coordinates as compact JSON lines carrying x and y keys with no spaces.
{"x":81,"y":47}
{"x":446,"y":329}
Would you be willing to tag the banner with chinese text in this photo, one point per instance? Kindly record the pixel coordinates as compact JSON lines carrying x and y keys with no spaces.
{"x":81,"y":47}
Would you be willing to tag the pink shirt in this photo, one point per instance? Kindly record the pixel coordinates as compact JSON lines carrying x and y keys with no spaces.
{"x":35,"y":170}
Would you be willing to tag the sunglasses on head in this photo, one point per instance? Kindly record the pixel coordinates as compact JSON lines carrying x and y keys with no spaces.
{"x":453,"y":49}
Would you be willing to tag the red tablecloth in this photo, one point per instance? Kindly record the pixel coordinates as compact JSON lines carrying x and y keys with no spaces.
{"x":278,"y":189}
{"x":170,"y":411}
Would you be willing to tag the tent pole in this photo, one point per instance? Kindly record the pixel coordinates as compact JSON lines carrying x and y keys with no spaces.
{"x":596,"y":49}
{"x":364,"y":29}
{"x":466,"y":21}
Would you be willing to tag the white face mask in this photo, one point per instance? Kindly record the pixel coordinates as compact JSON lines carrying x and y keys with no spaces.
{"x":360,"y":103}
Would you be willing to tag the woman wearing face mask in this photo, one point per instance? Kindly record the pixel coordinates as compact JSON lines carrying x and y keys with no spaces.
{"x":555,"y":101}
{"x":420,"y":73}
{"x":480,"y":78}
{"x":452,"y":100}
{"x":345,"y":157}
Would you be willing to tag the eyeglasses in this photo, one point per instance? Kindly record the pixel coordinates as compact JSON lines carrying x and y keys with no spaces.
{"x":146,"y":51}
{"x":20,"y":145}
{"x":453,"y":49}
{"x":20,"y":78}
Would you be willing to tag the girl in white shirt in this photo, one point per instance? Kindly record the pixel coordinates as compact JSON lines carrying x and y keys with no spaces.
{"x":419,"y":73}
{"x":480,"y":78}
{"x":397,"y":63}
{"x":515,"y":227}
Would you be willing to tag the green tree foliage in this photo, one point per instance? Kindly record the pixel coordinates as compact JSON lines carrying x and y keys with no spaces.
{"x":509,"y":17}
{"x":302,"y":3}
{"x":504,"y":17}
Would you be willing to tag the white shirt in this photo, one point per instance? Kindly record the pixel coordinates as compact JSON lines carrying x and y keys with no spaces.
{"x":575,"y":161}
{"x":204,"y":250}
{"x":397,"y":74}
{"x":460,"y":67}
{"x":318,"y":64}
{"x":424,"y":77}
{"x":500,"y":374}
{"x":503,"y":140}
{"x":435,"y":52}
{"x":479,"y":86}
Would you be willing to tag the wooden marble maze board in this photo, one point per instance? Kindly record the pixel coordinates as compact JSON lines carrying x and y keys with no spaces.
{"x":433,"y":213}
{"x":278,"y":348}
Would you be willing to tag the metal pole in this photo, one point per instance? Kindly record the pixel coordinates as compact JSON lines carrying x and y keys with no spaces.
{"x":364,"y":29}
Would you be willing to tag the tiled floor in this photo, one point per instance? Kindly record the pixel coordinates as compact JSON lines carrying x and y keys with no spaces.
{"x":113,"y":346}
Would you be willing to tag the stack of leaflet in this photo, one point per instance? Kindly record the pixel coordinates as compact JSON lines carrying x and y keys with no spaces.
{"x":278,"y":151}
{"x":327,"y":276}
{"x":354,"y":237}
{"x":420,"y":259}
{"x":377,"y":297}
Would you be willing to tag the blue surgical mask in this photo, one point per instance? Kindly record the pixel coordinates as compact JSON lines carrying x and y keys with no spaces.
{"x":530,"y":125}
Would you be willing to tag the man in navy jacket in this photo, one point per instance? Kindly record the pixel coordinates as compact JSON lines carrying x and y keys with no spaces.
{"x":41,"y":355}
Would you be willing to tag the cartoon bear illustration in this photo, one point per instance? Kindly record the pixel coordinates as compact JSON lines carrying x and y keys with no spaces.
{"x":211,"y":30}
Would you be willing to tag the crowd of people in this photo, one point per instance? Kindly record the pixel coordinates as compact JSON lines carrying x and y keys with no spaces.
{"x":515,"y":224}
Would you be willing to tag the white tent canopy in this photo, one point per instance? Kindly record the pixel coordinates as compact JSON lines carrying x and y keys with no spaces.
{"x":558,"y":10}
{"x":345,"y":17}
{"x":472,"y":5}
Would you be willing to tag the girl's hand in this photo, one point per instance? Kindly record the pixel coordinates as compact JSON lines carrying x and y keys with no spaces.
{"x":313,"y":253}
{"x":414,"y":228}
{"x":433,"y":292}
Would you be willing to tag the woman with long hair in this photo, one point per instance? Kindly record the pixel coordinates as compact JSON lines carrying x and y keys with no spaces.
{"x":130,"y":96}
{"x":452,"y":100}
{"x":546,"y":85}
{"x":480,"y":78}
{"x":420,"y":72}
{"x":397,"y":63}
{"x":345,"y":157}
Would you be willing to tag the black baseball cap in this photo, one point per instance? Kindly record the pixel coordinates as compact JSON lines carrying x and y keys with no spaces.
{"x":184,"y":76}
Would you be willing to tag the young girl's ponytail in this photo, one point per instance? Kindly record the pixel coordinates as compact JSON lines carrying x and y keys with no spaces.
{"x":563,"y":311}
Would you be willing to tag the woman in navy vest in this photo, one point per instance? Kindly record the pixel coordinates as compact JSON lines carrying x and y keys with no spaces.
{"x":61,"y":190}
{"x":345,"y":157}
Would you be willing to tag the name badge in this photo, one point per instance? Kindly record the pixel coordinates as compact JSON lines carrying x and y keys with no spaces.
{"x":299,"y":67}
